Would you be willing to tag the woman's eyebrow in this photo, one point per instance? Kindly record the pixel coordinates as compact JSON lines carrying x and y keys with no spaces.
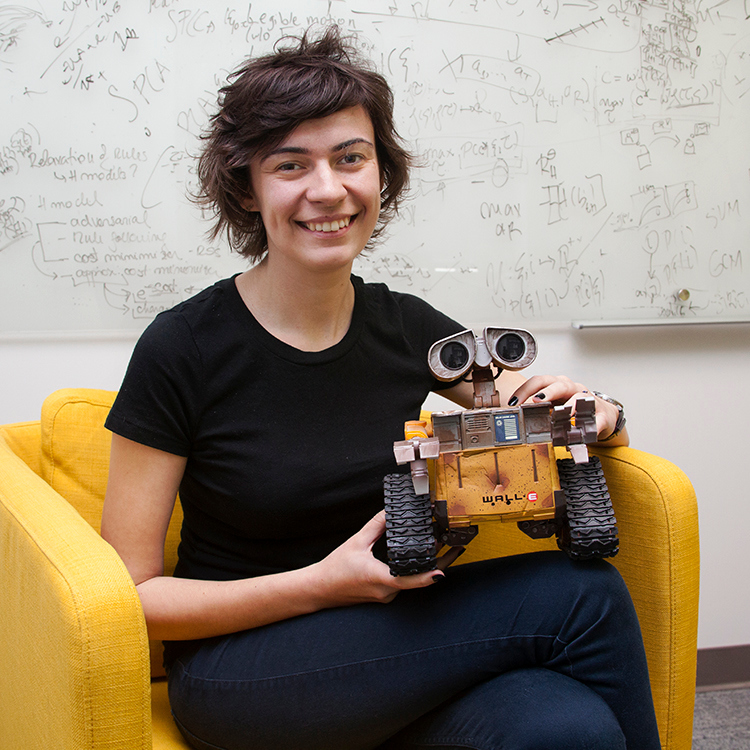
{"x":353,"y":141}
{"x":284,"y":150}
{"x":304,"y":151}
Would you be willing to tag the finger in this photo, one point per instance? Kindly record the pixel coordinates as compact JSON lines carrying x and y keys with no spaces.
{"x":532,"y":386}
{"x":606,"y":417}
{"x":546,"y":388}
{"x":553,"y":392}
{"x":561,"y":390}
{"x":419,"y":580}
{"x":372,"y":530}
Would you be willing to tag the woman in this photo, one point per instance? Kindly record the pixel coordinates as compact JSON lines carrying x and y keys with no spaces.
{"x":271,"y":401}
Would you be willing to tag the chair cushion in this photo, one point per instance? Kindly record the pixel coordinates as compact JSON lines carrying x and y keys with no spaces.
{"x":75,"y":463}
{"x":75,"y":448}
{"x":166,"y":736}
{"x":75,"y":457}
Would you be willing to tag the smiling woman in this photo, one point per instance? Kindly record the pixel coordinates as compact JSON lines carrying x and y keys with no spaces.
{"x":271,"y":401}
{"x":260,"y":109}
{"x":318,"y":196}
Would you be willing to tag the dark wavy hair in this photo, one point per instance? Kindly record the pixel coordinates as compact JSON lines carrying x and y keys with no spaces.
{"x":265,"y":100}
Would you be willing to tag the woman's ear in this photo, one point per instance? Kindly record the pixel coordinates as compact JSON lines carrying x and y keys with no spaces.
{"x":249,"y":204}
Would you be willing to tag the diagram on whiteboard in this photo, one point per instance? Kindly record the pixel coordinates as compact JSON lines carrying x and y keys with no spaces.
{"x":585,"y":161}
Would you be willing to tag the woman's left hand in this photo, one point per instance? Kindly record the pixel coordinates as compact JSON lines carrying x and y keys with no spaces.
{"x":562,"y":390}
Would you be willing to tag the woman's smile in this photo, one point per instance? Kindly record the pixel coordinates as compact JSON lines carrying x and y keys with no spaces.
{"x":327,"y":225}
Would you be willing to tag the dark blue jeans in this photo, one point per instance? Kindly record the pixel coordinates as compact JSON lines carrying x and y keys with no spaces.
{"x":524,"y":652}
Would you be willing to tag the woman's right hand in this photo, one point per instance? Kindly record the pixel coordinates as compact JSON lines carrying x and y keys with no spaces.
{"x":351,"y":574}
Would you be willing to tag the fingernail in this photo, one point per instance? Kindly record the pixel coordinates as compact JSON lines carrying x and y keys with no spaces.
{"x":435,"y":579}
{"x":540,"y":396}
{"x":512,"y":401}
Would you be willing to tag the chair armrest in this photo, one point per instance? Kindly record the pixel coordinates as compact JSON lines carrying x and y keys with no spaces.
{"x":659,"y":558}
{"x":73,"y":640}
{"x":657,"y":520}
{"x":25,"y":440}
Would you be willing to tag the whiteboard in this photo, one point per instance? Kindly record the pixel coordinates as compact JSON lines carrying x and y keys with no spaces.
{"x":577,"y":160}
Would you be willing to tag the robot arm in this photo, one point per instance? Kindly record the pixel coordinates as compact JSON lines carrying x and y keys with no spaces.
{"x":416,"y":449}
{"x":575,"y":432}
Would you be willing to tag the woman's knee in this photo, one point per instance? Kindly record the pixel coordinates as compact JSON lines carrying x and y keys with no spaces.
{"x":595,"y":586}
{"x":529,"y":709}
{"x":547,"y":710}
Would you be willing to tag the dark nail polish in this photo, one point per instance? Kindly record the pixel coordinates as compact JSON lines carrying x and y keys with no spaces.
{"x":540,"y":396}
{"x":512,"y":401}
{"x":435,"y":579}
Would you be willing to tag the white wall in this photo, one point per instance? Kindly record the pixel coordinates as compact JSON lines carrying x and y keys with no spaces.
{"x":684,"y":387}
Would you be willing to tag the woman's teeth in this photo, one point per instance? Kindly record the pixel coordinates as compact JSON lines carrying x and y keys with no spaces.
{"x":329,"y":226}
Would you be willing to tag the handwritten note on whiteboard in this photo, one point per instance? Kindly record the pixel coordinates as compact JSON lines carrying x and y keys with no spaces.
{"x":586,"y":160}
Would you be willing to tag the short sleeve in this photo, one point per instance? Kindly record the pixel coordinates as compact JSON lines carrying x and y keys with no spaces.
{"x":159,"y":402}
{"x":423,"y":326}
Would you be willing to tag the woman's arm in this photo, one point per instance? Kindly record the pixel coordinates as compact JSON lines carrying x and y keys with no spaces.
{"x":141,"y":492}
{"x":514,"y":389}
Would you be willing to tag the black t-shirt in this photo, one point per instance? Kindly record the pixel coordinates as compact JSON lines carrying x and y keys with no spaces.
{"x":286,"y":449}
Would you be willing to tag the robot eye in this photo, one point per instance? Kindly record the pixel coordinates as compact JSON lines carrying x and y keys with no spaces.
{"x":454,"y":355}
{"x":510,"y":347}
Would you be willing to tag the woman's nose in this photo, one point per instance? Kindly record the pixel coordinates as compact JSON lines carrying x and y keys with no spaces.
{"x":326,"y":185}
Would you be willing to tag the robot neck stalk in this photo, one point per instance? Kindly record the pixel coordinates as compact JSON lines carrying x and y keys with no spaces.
{"x":485,"y":393}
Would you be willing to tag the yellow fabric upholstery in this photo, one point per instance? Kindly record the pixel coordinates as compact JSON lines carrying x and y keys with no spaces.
{"x":75,"y":449}
{"x":24,"y":440}
{"x":75,"y":456}
{"x":165,"y":732}
{"x":73,"y":645}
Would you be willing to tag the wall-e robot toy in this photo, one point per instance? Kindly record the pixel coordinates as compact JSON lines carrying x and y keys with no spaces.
{"x":495,"y":463}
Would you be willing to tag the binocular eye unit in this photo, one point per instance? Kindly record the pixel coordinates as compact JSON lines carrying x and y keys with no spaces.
{"x":509,"y":349}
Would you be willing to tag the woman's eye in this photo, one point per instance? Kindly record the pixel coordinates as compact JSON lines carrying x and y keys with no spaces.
{"x":288,"y":167}
{"x":352,"y":158}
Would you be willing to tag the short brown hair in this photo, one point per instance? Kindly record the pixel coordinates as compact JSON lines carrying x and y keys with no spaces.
{"x":265,"y":100}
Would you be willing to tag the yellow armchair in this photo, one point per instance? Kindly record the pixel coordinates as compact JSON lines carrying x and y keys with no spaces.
{"x":78,"y":672}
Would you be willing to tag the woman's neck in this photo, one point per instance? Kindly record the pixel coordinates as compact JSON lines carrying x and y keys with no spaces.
{"x":310,"y":312}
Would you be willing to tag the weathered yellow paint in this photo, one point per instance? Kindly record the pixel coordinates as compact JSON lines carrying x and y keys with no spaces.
{"x":498,"y":483}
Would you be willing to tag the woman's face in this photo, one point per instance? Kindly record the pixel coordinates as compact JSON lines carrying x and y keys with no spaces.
{"x":318,"y":192}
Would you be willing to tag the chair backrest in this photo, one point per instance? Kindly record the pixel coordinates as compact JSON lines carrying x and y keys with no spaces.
{"x":75,"y":456}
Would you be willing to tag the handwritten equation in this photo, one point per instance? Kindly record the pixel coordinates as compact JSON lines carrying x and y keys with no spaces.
{"x":584,"y":161}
